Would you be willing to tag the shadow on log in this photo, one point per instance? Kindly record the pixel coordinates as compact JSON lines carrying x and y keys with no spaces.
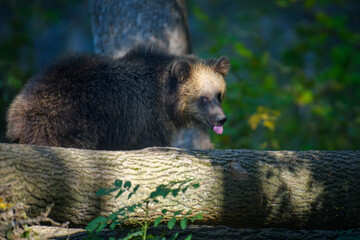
{"x":238,"y":188}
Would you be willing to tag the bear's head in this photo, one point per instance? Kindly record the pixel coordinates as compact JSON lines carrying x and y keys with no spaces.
{"x":201,"y":89}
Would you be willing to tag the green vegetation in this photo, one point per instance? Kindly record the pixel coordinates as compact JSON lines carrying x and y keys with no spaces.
{"x":22,"y":22}
{"x":301,"y":96}
{"x":123,"y":215}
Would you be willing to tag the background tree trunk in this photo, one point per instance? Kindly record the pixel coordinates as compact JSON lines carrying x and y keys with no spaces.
{"x":238,"y":188}
{"x":119,"y":25}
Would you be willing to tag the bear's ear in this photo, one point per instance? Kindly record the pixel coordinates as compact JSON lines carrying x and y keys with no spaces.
{"x":180,"y":70}
{"x":221,"y":65}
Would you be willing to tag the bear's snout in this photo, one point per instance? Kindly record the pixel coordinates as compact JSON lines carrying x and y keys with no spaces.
{"x":221,"y":120}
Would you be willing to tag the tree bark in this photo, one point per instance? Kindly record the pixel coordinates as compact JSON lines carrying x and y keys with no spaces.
{"x":238,"y":188}
{"x":119,"y":25}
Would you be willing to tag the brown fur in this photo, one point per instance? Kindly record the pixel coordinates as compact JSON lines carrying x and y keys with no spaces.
{"x":137,"y":101}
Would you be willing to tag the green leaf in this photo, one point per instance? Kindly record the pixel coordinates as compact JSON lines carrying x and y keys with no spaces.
{"x":113,"y":216}
{"x":171,"y":223}
{"x":174,"y":236}
{"x":134,"y":191}
{"x":184,"y":189}
{"x":113,"y":225}
{"x":157,"y":221}
{"x":120,"y":212}
{"x":183,"y":223}
{"x":188,"y":237}
{"x":197,"y":216}
{"x":177,"y":212}
{"x":130,"y":195}
{"x":104,"y":191}
{"x":132,"y":208}
{"x":161,"y":190}
{"x":127,"y":185}
{"x":101,"y":192}
{"x":95,"y":223}
{"x":164,"y":211}
{"x":195,"y":185}
{"x":118,"y":183}
{"x":175,"y":192}
{"x":25,"y":234}
{"x":136,"y":188}
{"x":101,"y":227}
{"x":119,"y":193}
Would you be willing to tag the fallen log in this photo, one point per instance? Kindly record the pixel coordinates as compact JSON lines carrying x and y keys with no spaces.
{"x":207,"y":232}
{"x":238,"y":188}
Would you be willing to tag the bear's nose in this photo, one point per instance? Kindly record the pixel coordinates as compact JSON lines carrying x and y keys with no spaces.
{"x":221,"y":120}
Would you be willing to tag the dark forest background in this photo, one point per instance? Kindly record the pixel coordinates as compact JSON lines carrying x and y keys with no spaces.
{"x":295,"y":77}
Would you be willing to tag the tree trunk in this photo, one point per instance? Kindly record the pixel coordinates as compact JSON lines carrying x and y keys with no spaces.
{"x":238,"y":188}
{"x":119,"y":25}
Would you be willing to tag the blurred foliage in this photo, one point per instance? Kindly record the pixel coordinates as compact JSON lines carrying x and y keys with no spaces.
{"x":304,"y":98}
{"x":21,"y":22}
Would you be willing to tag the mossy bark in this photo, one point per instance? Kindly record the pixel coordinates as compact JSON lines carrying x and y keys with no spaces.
{"x":238,"y":188}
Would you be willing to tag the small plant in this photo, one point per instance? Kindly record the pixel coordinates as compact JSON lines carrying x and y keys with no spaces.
{"x":122,"y":215}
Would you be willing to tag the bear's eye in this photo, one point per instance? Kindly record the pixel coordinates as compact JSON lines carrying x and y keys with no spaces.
{"x":204,"y":99}
{"x":219,"y":97}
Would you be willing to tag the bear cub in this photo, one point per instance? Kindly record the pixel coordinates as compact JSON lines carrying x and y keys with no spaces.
{"x":136,"y":101}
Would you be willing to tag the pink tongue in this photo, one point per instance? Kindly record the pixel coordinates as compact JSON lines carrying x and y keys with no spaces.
{"x":218,"y":129}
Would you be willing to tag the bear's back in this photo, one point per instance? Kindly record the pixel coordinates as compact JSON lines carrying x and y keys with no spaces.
{"x":93,"y":102}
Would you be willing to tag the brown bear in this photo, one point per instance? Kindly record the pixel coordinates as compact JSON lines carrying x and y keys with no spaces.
{"x":136,"y":101}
